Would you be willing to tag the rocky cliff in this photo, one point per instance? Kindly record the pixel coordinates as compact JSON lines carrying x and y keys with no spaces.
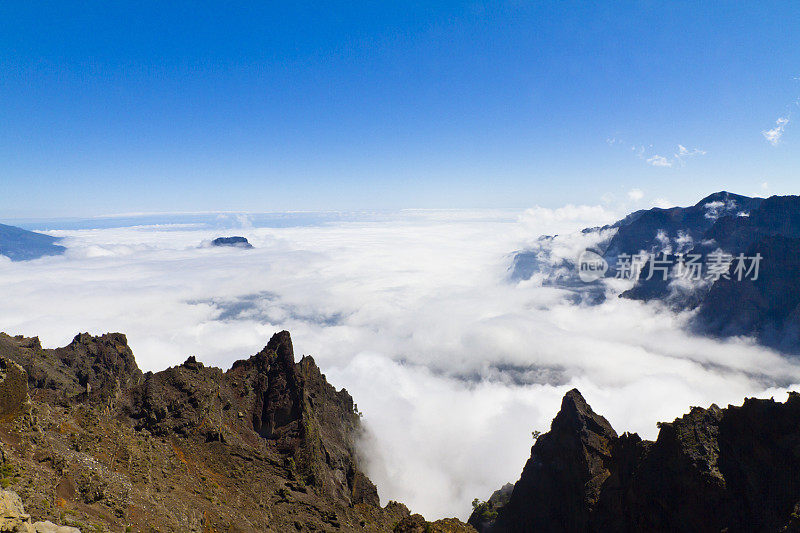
{"x":89,"y":441}
{"x":735,"y":470}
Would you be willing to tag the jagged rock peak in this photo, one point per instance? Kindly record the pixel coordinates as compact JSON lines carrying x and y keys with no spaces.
{"x":278,"y":349}
{"x":281,"y":344}
{"x":734,"y":469}
{"x":576,"y":414}
{"x":561,"y":483}
{"x":268,"y":445}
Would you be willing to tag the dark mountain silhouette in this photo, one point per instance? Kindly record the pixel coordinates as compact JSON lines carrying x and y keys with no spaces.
{"x":735,"y":469}
{"x":768,"y":307}
{"x":236,"y":242}
{"x":676,"y":228}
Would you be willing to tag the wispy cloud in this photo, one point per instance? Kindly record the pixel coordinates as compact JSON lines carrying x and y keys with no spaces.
{"x":684,"y":152}
{"x":774,"y":135}
{"x":645,"y":153}
{"x":663,"y":203}
{"x":659,"y":161}
{"x":635,"y":194}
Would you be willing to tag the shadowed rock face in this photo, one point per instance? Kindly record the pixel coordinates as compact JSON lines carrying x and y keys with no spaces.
{"x":561,"y":482}
{"x":768,"y":307}
{"x":734,"y":469}
{"x":14,"y":399}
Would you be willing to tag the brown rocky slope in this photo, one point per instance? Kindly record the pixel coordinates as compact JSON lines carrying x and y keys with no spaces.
{"x":734,"y":470}
{"x":267,"y":446}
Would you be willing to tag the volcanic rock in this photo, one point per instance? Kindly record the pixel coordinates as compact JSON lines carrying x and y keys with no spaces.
{"x":735,"y":469}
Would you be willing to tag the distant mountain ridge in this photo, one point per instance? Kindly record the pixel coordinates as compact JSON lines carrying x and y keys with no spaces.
{"x":22,"y":245}
{"x":677,"y":228}
{"x":766,"y":308}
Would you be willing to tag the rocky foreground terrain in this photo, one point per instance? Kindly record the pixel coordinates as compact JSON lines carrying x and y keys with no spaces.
{"x":89,"y":442}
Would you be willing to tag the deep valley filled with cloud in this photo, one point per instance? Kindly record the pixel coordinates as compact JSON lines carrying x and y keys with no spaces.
{"x":452,"y":363}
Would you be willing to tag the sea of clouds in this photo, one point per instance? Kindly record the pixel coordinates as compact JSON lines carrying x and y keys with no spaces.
{"x":452,"y":364}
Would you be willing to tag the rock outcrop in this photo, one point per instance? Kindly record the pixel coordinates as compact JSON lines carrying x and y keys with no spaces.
{"x":485,"y":513}
{"x":14,"y":398}
{"x":735,"y":469}
{"x":12,"y":514}
{"x":89,"y":367}
{"x":14,"y":519}
{"x":235,"y":242}
{"x":267,"y":446}
{"x":417,"y":524}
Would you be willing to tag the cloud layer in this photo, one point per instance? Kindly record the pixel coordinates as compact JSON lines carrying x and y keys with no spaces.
{"x":452,"y":365}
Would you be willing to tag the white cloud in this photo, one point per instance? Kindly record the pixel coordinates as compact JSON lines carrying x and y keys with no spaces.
{"x":414,"y":316}
{"x":774,"y":135}
{"x":663,"y":203}
{"x":659,"y":161}
{"x":635,"y":194}
{"x":542,"y":220}
{"x":684,"y":153}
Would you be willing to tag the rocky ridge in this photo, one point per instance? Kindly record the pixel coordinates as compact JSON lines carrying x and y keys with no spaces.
{"x":89,"y":441}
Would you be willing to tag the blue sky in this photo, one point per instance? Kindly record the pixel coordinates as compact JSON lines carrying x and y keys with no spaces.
{"x":197,"y":106}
